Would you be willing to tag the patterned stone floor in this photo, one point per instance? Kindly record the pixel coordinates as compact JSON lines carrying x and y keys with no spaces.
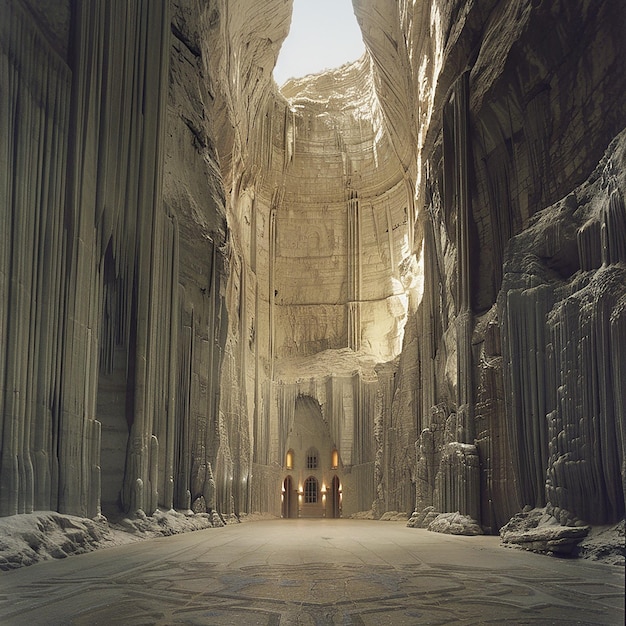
{"x":313,"y":572}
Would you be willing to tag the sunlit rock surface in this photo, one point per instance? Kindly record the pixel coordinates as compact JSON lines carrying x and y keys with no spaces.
{"x":416,"y":261}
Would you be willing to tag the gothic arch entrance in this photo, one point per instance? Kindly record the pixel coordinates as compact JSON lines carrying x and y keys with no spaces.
{"x":311,"y":459}
{"x":290,"y":502}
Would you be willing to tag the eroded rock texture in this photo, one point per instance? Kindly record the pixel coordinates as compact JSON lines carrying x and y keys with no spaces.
{"x":85,"y":300}
{"x":572,"y":331}
{"x":410,"y":268}
{"x":112,"y":300}
{"x":538,"y":357}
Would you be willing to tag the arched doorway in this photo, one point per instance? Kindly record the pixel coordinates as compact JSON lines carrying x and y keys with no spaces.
{"x":335,"y":497}
{"x":311,"y":460}
{"x":312,"y":504}
{"x":289,"y":505}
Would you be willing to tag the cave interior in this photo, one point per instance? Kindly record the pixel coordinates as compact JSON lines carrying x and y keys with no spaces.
{"x":394,"y":286}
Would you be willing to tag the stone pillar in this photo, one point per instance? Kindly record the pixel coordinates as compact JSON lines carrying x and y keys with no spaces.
{"x":464,"y":321}
{"x":457,"y":484}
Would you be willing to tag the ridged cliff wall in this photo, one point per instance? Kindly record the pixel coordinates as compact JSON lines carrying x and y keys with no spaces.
{"x":516,"y":358}
{"x":113,"y":269}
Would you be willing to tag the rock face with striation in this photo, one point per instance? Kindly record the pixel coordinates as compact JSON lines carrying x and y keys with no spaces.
{"x":493,"y":176}
{"x":395,"y":286}
{"x":86,"y":302}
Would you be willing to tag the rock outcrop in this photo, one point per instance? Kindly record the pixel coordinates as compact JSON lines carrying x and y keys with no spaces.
{"x":538,"y":531}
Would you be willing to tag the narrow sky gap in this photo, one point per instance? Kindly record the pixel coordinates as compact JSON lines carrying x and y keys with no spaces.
{"x":324,"y":34}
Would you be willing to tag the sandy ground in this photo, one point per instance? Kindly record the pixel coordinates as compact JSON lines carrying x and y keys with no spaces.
{"x":320,"y":572}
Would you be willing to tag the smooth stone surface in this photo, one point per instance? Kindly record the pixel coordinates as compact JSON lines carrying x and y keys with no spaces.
{"x":319,"y":572}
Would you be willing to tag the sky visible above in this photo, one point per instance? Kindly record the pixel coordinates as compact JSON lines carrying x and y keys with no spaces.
{"x":324,"y":34}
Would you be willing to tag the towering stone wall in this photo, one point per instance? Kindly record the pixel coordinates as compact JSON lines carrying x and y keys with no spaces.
{"x":113,"y":323}
{"x":513,"y":371}
{"x":428,"y":244}
{"x":82,"y":280}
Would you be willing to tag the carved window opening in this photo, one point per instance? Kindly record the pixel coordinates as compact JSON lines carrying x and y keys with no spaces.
{"x":334,"y":459}
{"x":310,"y":490}
{"x":312,"y":459}
{"x":289,"y":459}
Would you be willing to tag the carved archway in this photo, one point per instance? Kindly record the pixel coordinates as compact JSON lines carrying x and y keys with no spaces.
{"x":289,"y":499}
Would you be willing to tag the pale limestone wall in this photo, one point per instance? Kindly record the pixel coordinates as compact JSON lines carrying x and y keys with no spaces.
{"x":83,"y":215}
{"x":116,"y":324}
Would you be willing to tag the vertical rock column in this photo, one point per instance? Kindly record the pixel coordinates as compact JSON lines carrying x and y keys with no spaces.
{"x":460,"y":104}
{"x":139,"y":493}
{"x":524,"y":350}
{"x":500,"y":498}
{"x":618,"y":338}
{"x":120,"y":55}
{"x":273,"y":238}
{"x":34,"y":111}
{"x":458,"y":480}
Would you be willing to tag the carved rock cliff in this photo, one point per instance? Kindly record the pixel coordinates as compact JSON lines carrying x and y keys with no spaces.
{"x":418,"y":258}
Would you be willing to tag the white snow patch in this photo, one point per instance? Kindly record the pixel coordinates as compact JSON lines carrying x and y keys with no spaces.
{"x":29,"y":538}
